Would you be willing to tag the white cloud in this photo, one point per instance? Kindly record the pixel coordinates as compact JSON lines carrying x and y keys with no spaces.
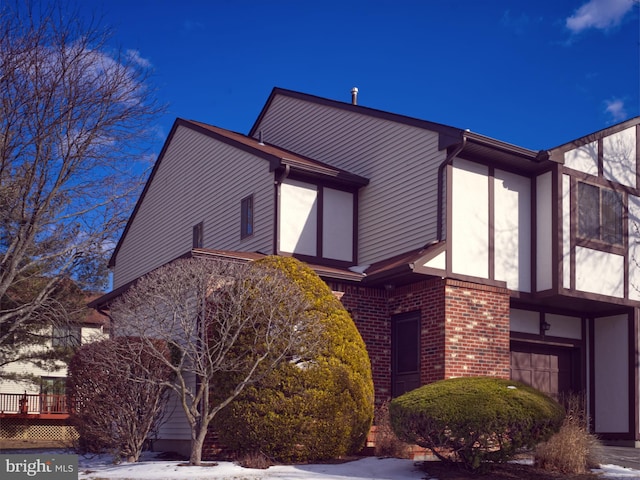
{"x":134,"y":56}
{"x":600,"y":14}
{"x":616,"y":109}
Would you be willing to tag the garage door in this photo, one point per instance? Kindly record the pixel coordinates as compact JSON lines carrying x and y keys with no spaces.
{"x":552,"y":370}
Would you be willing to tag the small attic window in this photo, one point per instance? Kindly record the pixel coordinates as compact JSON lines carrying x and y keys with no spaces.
{"x":198,"y":231}
{"x":246,"y":217}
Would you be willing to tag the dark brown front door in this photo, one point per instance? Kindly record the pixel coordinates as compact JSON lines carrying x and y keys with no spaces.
{"x":405,"y":352}
{"x":550,"y":369}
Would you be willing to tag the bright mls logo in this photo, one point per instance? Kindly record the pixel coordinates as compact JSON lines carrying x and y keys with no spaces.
{"x":42,"y":466}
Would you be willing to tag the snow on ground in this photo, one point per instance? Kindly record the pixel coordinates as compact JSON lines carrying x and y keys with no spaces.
{"x":364,"y":469}
{"x":94,"y":467}
{"x":615,"y":472}
{"x":368,"y":468}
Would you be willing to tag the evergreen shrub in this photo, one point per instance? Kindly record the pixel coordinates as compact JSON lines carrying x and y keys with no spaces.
{"x":318,"y":409}
{"x":475,"y":420}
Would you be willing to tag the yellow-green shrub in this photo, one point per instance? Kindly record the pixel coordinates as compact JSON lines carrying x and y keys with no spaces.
{"x":312,"y":411}
{"x":475,"y":419}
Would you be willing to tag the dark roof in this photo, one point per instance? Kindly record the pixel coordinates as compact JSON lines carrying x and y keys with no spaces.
{"x":401,"y":268}
{"x":93,"y":317}
{"x":557,"y":153}
{"x":324,"y":272}
{"x":277,"y":158}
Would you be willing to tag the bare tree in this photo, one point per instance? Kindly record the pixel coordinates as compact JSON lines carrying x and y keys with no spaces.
{"x":206,"y":309}
{"x":72,"y":114}
{"x":118,"y":394}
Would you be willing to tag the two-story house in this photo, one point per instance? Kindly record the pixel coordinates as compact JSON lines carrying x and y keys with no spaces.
{"x":33,"y":400}
{"x":456,"y":254}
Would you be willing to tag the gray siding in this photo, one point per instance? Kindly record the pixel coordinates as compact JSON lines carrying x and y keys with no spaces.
{"x":398,"y":209}
{"x":198,"y":180}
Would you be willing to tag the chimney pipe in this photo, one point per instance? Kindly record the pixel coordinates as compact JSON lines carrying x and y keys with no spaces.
{"x":354,"y":96}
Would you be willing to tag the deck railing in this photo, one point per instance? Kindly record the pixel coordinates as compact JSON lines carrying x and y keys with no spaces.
{"x":33,"y":404}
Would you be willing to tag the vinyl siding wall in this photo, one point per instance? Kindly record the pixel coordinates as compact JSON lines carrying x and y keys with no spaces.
{"x":175,"y":425}
{"x":88,"y":335}
{"x":398,"y":209}
{"x":198,"y":180}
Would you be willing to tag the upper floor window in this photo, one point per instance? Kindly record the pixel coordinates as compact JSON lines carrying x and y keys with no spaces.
{"x":53,"y":385}
{"x":198,"y":235}
{"x":600,"y":214}
{"x":246,"y":217}
{"x":66,"y":336}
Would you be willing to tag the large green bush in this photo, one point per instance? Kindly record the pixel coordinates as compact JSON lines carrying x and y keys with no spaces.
{"x":312,"y":410}
{"x":475,"y":420}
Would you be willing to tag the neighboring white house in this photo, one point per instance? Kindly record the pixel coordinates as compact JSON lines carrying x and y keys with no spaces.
{"x":456,"y":254}
{"x":36,"y":409}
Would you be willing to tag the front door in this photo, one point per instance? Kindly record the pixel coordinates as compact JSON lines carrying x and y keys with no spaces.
{"x":405,"y":352}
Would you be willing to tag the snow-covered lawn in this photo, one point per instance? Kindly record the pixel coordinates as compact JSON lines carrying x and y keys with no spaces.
{"x":369,"y":468}
{"x":365,"y":468}
{"x":94,"y":467}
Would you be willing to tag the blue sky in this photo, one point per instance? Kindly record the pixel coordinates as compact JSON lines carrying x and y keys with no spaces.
{"x":536,"y":73}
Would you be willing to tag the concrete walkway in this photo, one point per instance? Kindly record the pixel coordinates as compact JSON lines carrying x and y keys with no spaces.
{"x":622,"y":456}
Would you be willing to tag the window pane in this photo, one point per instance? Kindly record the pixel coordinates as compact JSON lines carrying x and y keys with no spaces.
{"x":588,"y":211}
{"x":246,"y":217}
{"x":197,"y":235}
{"x":611,"y":217}
{"x":66,"y":336}
{"x":53,"y":386}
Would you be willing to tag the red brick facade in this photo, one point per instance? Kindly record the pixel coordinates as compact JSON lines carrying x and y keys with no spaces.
{"x":464,"y":328}
{"x":464,"y":331}
{"x":368,"y":307}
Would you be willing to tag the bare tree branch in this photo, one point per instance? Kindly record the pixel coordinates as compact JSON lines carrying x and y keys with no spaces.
{"x":207,"y":308}
{"x":117,"y":394}
{"x":73,"y":116}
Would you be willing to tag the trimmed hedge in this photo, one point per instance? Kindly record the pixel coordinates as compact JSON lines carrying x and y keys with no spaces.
{"x":475,"y":420}
{"x":317,"y":410}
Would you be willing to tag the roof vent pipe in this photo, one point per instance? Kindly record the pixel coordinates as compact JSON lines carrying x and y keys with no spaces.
{"x":354,"y":96}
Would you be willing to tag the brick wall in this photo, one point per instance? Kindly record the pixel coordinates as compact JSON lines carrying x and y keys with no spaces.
{"x":464,"y":328}
{"x":368,"y":308}
{"x":428,"y":298}
{"x":464,"y":332}
{"x":477,"y":330}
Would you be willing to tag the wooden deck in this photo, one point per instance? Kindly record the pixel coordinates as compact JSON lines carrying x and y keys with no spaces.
{"x":24,"y":405}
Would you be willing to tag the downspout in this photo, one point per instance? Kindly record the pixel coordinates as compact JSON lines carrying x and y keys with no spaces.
{"x":447,"y":161}
{"x":276,"y":224}
{"x":283,"y":175}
